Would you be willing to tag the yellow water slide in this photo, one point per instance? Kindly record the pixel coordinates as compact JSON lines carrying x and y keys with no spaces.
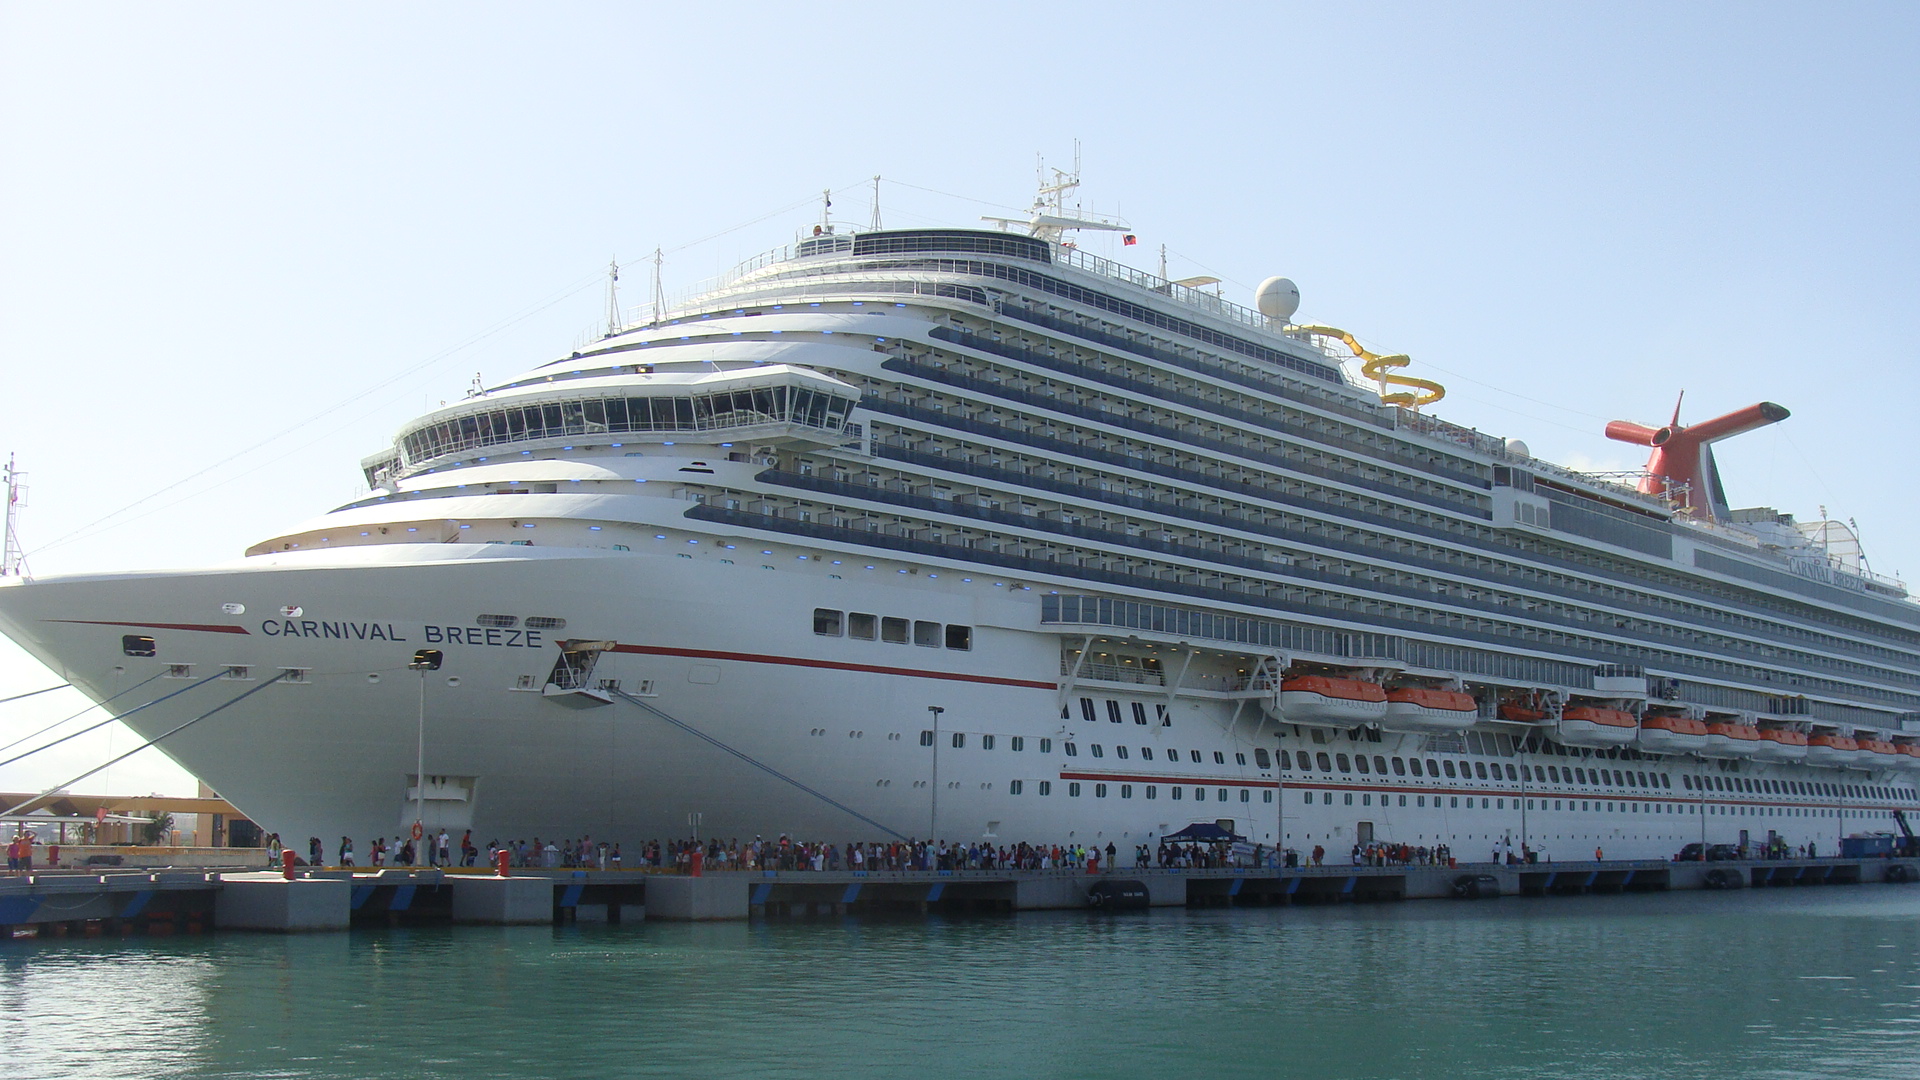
{"x":1379,"y":369}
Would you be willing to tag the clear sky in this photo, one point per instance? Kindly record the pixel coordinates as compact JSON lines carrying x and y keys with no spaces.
{"x":242,"y":243}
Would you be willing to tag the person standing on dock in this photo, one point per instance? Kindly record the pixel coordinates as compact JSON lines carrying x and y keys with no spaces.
{"x":445,"y":848}
{"x":1598,"y":855}
{"x":316,"y":851}
{"x":346,"y":851}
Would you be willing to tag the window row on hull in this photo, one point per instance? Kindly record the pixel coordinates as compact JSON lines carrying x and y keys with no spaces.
{"x":941,"y":542}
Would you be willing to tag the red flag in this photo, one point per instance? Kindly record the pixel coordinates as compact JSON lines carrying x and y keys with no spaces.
{"x":1129,"y":240}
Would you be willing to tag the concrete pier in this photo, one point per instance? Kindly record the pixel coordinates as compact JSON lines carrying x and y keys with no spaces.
{"x":270,"y":902}
{"x":69,"y":902}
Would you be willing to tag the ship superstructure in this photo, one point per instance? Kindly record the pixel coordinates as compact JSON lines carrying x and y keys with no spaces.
{"x":971,"y":533}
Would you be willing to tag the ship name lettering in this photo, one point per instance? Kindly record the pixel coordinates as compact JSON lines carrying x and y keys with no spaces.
{"x":312,"y":628}
{"x":474,"y":635}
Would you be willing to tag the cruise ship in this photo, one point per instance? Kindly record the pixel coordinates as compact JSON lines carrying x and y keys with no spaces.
{"x":968,"y":533}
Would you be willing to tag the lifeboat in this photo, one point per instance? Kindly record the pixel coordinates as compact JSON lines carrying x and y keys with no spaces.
{"x":1834,"y":750}
{"x":1521,"y":714}
{"x":1586,"y":725}
{"x":1909,"y":756}
{"x":1413,"y":708}
{"x":1328,"y":701}
{"x":1781,"y":744}
{"x":1879,"y":753}
{"x":1663,"y":734}
{"x":1730,"y":740}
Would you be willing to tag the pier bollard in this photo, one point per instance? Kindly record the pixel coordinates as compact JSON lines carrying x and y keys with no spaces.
{"x":698,"y":864}
{"x":287,"y":858}
{"x":503,"y":859}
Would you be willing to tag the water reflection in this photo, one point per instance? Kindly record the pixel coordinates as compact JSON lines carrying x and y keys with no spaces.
{"x":1811,"y":983}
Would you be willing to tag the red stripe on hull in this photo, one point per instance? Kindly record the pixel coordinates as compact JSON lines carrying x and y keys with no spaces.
{"x":795,"y":661}
{"x":205,"y":628}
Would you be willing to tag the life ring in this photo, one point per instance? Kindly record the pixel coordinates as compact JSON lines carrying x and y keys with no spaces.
{"x":418,"y":832}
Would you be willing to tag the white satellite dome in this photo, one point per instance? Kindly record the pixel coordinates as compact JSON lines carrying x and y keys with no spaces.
{"x":1518,"y":448}
{"x":1277,"y":298}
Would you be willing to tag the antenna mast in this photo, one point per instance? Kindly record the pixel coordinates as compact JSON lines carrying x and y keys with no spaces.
{"x":11,"y":557}
{"x":613,"y":297}
{"x":826,"y":210}
{"x":659,"y":295}
{"x":875,"y":225}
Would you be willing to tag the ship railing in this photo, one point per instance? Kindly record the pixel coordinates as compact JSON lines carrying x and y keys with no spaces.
{"x":1119,"y":673}
{"x":1210,"y":303}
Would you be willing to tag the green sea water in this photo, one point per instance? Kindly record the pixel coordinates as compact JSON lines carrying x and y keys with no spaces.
{"x":1774,"y":983}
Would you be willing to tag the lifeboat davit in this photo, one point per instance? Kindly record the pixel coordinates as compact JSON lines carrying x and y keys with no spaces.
{"x":1728,"y":740}
{"x":1413,"y":708}
{"x":1586,"y":725}
{"x":1672,"y":734}
{"x":1834,"y":750}
{"x":1325,"y":700}
{"x":1781,"y":744}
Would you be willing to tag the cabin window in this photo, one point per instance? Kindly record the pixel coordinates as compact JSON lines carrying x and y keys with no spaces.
{"x":1260,"y":758}
{"x":1400,"y":767}
{"x":1120,"y":751}
{"x":1017,"y":743}
{"x":1194,"y":756}
{"x":1099,"y":791}
{"x":1099,"y":751}
{"x":1325,"y":762}
{"x":926,"y":738}
{"x":1046,"y":787}
{"x":1013,"y":787}
{"x":1480,"y":769}
{"x":1361,"y":760}
{"x":1113,"y":711}
{"x":926,"y":634}
{"x":1414,"y":765}
{"x":960,"y":637}
{"x":826,"y":622}
{"x":1046,"y":746}
{"x":986,"y":742}
{"x":1166,"y":719}
{"x":893,"y":631}
{"x":1152,"y":792}
{"x":1449,"y":765}
{"x":1511,"y":775}
{"x":862,"y":626}
{"x":1146,"y":753}
{"x":1071,"y":749}
{"x":1341,"y":760}
{"x":1380,"y":764}
{"x":137,"y":645}
{"x":1140,"y":713}
{"x":1433,"y":768}
{"x":1073,"y":790}
{"x":959,"y":740}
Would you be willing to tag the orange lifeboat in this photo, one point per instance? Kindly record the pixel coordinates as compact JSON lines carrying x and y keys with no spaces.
{"x":1728,"y":739}
{"x":1521,"y":714}
{"x":1588,"y":725}
{"x":1831,"y":749}
{"x":1329,"y":701}
{"x":1781,"y":744}
{"x":1885,"y":754}
{"x":1909,"y":756}
{"x":1668,"y":734}
{"x":1414,"y":708}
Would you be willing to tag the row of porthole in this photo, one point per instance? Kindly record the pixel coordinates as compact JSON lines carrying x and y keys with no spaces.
{"x":1152,"y":791}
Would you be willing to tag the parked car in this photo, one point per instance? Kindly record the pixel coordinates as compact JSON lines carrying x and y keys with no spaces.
{"x":1722,"y":852}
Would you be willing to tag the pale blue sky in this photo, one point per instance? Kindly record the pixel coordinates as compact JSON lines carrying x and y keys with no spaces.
{"x":222,"y":222}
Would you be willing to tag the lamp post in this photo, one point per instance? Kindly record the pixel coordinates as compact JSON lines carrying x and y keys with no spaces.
{"x":933,"y":815}
{"x":424,"y":660}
